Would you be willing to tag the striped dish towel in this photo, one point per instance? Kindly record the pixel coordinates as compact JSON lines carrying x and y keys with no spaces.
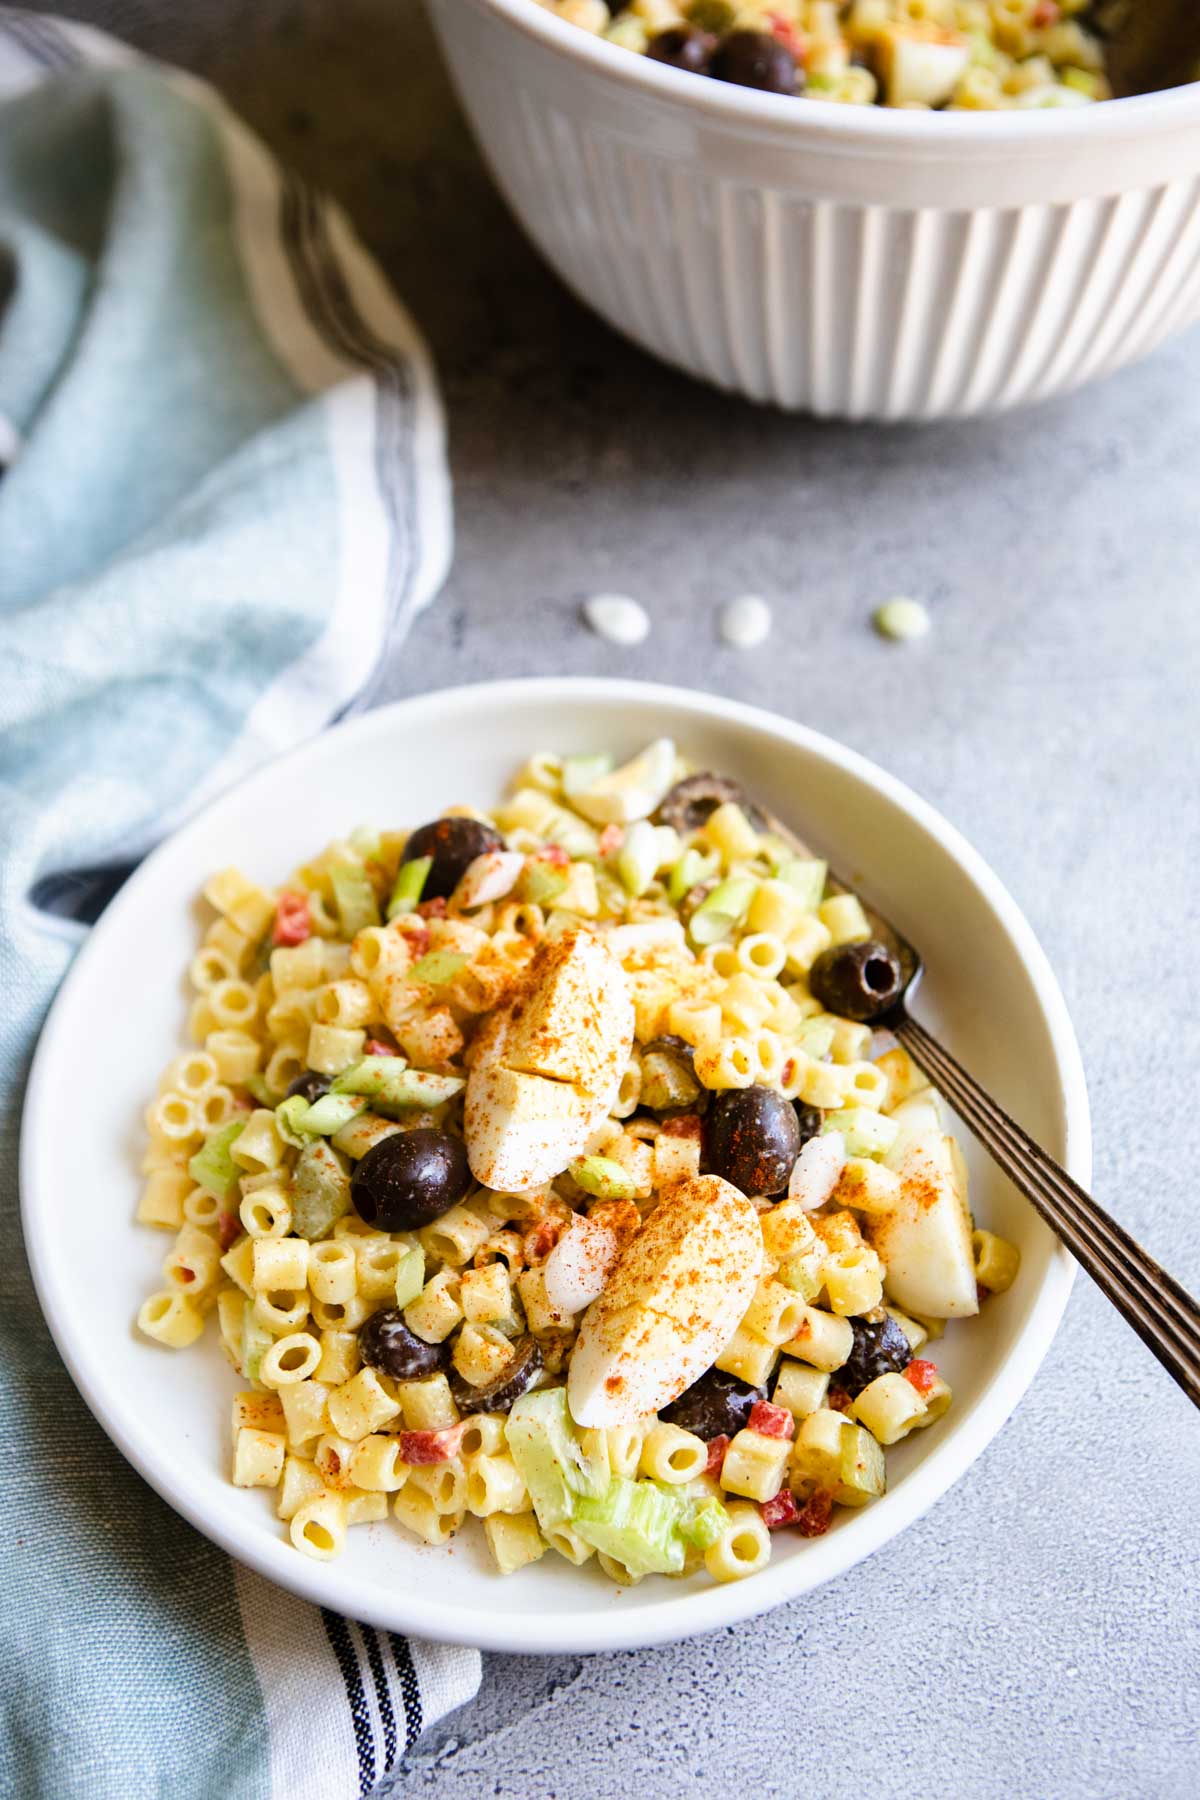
{"x":222,"y":489}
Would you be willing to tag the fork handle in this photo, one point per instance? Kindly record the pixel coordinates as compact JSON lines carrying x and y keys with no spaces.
{"x":1163,"y":1314}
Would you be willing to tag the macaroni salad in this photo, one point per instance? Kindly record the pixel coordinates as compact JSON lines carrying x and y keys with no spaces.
{"x":983,"y":55}
{"x":549,"y":1167}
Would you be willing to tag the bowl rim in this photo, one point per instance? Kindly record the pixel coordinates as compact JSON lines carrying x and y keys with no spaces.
{"x":673,"y":1617}
{"x":885,"y":128}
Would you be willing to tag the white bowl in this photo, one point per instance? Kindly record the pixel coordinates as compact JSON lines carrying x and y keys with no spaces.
{"x":122,"y":1011}
{"x":844,"y":260}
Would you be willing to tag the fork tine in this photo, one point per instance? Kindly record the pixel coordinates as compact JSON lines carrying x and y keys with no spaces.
{"x":1163,"y":1314}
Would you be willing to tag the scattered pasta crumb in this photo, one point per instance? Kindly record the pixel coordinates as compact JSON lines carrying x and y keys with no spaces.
{"x":745,"y":623}
{"x":902,"y":620}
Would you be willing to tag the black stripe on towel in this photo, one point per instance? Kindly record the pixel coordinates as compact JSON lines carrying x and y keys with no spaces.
{"x":410,"y":1688}
{"x":347,"y":1661}
{"x":383,"y":1694}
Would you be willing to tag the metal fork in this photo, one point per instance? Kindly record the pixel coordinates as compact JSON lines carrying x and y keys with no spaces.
{"x":1163,"y":1313}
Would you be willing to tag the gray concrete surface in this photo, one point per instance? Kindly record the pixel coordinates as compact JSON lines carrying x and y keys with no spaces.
{"x":1035,"y":1635}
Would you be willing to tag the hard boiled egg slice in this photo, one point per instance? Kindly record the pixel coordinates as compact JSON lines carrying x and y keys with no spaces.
{"x":631,"y":792}
{"x":926,"y":1240}
{"x":547,"y":1068}
{"x":672,"y":1302}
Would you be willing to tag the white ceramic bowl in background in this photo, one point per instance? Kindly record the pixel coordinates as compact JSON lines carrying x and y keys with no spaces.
{"x":852,"y":261}
{"x":988,"y":987}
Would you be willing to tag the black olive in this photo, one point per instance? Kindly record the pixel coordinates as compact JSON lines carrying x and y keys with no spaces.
{"x":515,"y":1379}
{"x":718,"y":1405}
{"x":880,"y":1348}
{"x":752,"y":1138}
{"x":857,"y":981}
{"x":809,"y":1120}
{"x":691,"y":802}
{"x":453,"y":844}
{"x":755,"y":59}
{"x":683,"y":47}
{"x":669,"y":1082}
{"x":386,"y":1343}
{"x":310,"y":1086}
{"x":410,"y":1179}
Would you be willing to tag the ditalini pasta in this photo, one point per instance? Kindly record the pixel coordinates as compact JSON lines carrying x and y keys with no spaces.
{"x":532,"y":1170}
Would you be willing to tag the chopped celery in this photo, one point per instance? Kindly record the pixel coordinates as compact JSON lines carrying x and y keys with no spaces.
{"x":409,"y":883}
{"x":410,"y":1274}
{"x":389,"y":1082}
{"x":724,"y":908}
{"x":438,"y":967}
{"x":867,"y":1133}
{"x":601,"y":1176}
{"x":703,"y":1522}
{"x":636,"y":1523}
{"x":801,"y":1271}
{"x":807,"y":875}
{"x":320,"y":1191}
{"x":668,"y":1080}
{"x":579,"y":772}
{"x":539,"y":883}
{"x":546,"y":1448}
{"x":355,"y":898}
{"x":256,"y":1340}
{"x":638,"y":858}
{"x":325,"y":1116}
{"x":370,"y":1076}
{"x":255,"y":1085}
{"x":815,"y":1036}
{"x":213,"y":1167}
{"x":692,"y":868}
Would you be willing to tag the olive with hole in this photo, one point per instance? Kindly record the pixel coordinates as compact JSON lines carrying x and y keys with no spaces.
{"x":385,"y":1343}
{"x":755,"y":59}
{"x":880,"y":1348}
{"x":718,"y":1405}
{"x":453,"y":845}
{"x":310,"y":1086}
{"x":683,"y":47}
{"x":410,"y":1179}
{"x":693,"y":801}
{"x":752,"y":1138}
{"x":857,"y":981}
{"x":515,"y":1379}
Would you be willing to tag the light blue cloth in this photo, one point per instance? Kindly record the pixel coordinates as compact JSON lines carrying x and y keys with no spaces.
{"x":224,"y":485}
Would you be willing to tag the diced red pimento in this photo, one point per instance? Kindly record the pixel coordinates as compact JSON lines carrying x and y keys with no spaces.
{"x":229,"y":1228}
{"x":982,"y":1293}
{"x":293,"y":922}
{"x":780,"y":1511}
{"x":813,"y":1518}
{"x":838,"y":1400}
{"x":377,"y":1047}
{"x":611,"y":839}
{"x":771,"y":1421}
{"x":433,"y":909}
{"x":716,"y":1454}
{"x":686,"y":1125}
{"x":554,"y":855}
{"x":415,"y":932}
{"x":540,"y":1240}
{"x":786,"y":34}
{"x":921,"y":1375}
{"x":432,"y":1446}
{"x":1045,"y":14}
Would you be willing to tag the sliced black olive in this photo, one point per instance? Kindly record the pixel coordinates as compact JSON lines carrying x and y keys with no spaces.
{"x":669,"y":1081}
{"x":310,"y":1086}
{"x":453,"y":844}
{"x":809,"y":1120}
{"x":880,"y":1348}
{"x":386,"y":1343}
{"x":515,"y":1379}
{"x":752,"y":1138}
{"x":683,"y":47}
{"x":693,"y":800}
{"x":857,"y":981}
{"x":718,"y":1405}
{"x":410,"y":1179}
{"x":755,"y":59}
